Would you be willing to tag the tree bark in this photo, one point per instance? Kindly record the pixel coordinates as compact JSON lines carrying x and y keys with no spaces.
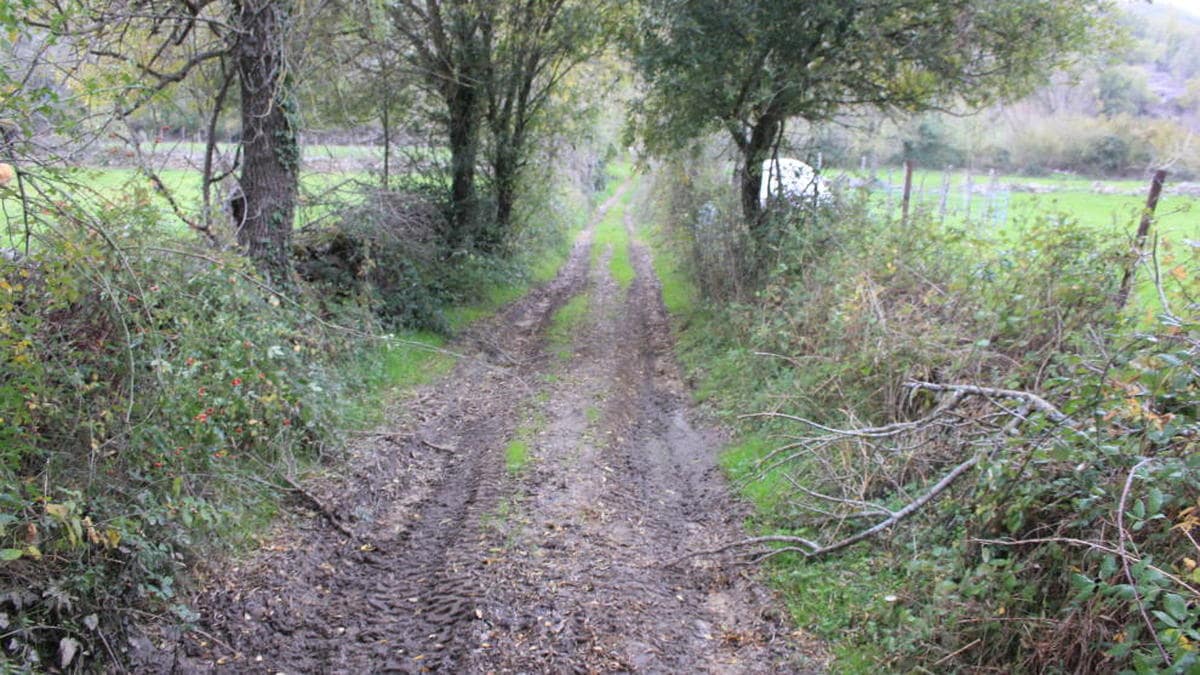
{"x":385,"y":119}
{"x":755,"y":150}
{"x":463,"y":108}
{"x":270,"y":150}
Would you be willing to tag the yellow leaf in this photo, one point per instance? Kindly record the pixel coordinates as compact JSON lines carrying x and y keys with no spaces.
{"x":57,"y":510}
{"x":111,"y":538}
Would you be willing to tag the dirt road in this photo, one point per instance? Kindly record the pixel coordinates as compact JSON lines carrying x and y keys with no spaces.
{"x":461,"y":564}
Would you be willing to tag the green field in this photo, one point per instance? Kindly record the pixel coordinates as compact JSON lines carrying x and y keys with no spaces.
{"x":997,"y":203}
{"x":111,"y":188}
{"x":193,"y":149}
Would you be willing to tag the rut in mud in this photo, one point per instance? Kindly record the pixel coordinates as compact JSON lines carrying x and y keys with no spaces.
{"x":460,"y":565}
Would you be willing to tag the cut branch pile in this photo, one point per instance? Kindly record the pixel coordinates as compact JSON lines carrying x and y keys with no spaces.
{"x":874,"y":477}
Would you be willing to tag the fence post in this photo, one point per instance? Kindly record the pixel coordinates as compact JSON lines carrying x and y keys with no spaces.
{"x":908,"y":169}
{"x":968,"y":190}
{"x":1139,"y":241}
{"x":945,"y":195}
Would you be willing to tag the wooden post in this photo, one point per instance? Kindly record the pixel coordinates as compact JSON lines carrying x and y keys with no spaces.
{"x":968,"y":190}
{"x":1139,"y":241}
{"x":908,"y":169}
{"x":945,"y":195}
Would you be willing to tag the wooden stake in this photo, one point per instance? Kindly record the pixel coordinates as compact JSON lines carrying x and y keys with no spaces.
{"x":908,"y":169}
{"x":1139,"y":242}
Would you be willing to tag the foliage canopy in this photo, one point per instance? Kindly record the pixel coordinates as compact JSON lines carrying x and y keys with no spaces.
{"x":749,"y":66}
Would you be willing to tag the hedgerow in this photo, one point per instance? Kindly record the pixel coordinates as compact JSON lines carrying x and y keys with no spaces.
{"x":153,"y":395}
{"x":1027,"y":452}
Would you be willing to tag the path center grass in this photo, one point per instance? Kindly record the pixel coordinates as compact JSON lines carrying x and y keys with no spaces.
{"x":611,"y":235}
{"x":564,"y":323}
{"x":516,"y":455}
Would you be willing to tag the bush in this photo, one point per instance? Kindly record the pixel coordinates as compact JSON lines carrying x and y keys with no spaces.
{"x":150,"y":394}
{"x":1067,"y":544}
{"x":384,"y":254}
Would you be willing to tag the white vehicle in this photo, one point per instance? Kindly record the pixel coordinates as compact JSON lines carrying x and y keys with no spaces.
{"x":794,"y":182}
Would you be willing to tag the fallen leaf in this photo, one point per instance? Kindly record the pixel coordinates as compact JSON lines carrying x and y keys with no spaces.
{"x":67,"y":649}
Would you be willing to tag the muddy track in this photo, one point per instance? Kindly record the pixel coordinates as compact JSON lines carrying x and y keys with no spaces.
{"x":458,"y":565}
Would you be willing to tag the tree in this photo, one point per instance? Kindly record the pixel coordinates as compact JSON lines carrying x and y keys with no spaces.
{"x":1123,"y":90}
{"x":494,"y":68}
{"x":534,"y":45}
{"x":154,"y":45}
{"x":264,"y":212}
{"x":448,"y":44}
{"x":748,"y":66}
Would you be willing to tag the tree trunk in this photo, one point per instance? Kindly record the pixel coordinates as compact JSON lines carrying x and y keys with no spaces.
{"x":754,"y":152}
{"x":464,"y":151}
{"x":271,"y":153}
{"x":386,"y":121}
{"x":505,"y":165}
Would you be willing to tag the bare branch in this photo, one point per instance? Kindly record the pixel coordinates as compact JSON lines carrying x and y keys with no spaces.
{"x":813,"y":550}
{"x":1036,"y":402}
{"x":1122,"y":538}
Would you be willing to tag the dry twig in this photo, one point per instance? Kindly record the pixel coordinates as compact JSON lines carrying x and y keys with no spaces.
{"x":945,"y":417}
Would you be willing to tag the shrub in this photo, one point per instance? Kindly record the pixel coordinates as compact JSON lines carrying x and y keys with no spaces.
{"x":150,"y":394}
{"x":1068,"y":542}
{"x":384,"y":254}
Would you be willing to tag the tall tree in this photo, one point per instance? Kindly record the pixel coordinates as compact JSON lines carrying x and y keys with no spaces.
{"x":157,"y":44}
{"x":448,"y":45}
{"x":535,"y":44}
{"x":747,"y":66}
{"x":264,"y":212}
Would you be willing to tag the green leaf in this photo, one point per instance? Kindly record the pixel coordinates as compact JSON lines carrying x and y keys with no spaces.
{"x":9,"y":554}
{"x":1165,"y":618}
{"x":1154,"y":501}
{"x":1176,"y":606}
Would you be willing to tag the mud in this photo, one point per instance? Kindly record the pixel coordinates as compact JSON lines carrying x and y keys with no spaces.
{"x":460,"y":565}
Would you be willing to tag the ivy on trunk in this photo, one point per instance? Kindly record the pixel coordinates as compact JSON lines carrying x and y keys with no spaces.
{"x":265,"y":210}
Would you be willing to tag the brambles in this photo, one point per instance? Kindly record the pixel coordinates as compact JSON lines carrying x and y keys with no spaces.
{"x":150,"y":394}
{"x":901,"y":372}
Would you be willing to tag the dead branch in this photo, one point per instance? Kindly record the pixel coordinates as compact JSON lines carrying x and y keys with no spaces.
{"x":989,"y":430}
{"x":811,"y":549}
{"x":1035,"y":402}
{"x":1122,"y":539}
{"x":873,"y":432}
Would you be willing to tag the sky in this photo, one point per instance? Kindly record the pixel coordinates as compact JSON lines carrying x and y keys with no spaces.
{"x":1192,"y":6}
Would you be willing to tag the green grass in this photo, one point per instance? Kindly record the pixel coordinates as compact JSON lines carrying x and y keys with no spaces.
{"x":564,"y":323}
{"x":616,"y":172}
{"x":391,"y":367}
{"x":1072,"y":196}
{"x":738,"y":462}
{"x":678,"y":292}
{"x":516,"y":455}
{"x":493,"y":298}
{"x":611,"y":235}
